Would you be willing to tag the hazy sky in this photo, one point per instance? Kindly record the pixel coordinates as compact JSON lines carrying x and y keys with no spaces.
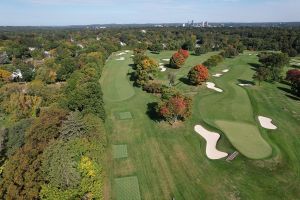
{"x":75,"y":12}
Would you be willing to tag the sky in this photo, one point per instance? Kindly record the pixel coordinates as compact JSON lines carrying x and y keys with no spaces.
{"x":84,"y":12}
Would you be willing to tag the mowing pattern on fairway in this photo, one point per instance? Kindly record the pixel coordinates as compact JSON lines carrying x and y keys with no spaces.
{"x":124,"y":115}
{"x":120,"y":151}
{"x":127,"y":188}
{"x":115,"y":76}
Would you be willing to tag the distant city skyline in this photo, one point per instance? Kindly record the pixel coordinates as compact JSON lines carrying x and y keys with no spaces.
{"x":84,"y":12}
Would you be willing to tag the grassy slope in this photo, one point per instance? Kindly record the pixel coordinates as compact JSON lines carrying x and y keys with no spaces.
{"x":171,"y":161}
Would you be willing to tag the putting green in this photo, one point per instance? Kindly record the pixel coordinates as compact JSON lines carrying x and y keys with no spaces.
{"x":115,"y":76}
{"x":246,"y":138}
{"x":124,"y":115}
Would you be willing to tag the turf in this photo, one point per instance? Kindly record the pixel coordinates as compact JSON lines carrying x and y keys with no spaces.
{"x":125,"y":115}
{"x":115,"y":75}
{"x":171,"y":162}
{"x":246,"y":138}
{"x":120,"y":151}
{"x":127,"y":188}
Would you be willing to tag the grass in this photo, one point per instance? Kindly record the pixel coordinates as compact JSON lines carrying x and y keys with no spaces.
{"x":127,"y":188}
{"x":120,"y":151}
{"x":115,"y":75}
{"x":171,"y":162}
{"x":246,"y":138}
{"x":124,"y":115}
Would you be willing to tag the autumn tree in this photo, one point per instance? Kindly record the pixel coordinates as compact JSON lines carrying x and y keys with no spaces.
{"x":177,"y":107}
{"x":177,"y":60}
{"x":293,"y":76}
{"x":5,"y":76}
{"x":198,"y":74}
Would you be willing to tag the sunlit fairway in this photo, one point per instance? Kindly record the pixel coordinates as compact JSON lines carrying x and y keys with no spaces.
{"x":171,"y":162}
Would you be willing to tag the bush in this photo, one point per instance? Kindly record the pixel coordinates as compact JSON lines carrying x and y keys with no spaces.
{"x":153,"y":88}
{"x":214,"y":60}
{"x":177,"y":60}
{"x":200,"y":50}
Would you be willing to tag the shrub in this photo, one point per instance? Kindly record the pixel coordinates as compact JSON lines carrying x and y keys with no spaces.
{"x":153,"y":88}
{"x":177,"y":60}
{"x":213,"y":60}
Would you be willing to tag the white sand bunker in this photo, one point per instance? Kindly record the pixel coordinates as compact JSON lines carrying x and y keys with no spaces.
{"x":245,"y":85}
{"x":225,"y":70}
{"x":212,"y":86}
{"x":132,"y":56}
{"x":266,"y":122}
{"x":120,"y":54}
{"x":121,"y":58}
{"x":217,"y":75}
{"x":127,"y":51}
{"x":211,"y":143}
{"x":166,"y":59}
{"x":162,"y":68}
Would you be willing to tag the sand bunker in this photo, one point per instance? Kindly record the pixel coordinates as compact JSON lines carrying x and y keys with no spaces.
{"x":225,"y":70}
{"x":120,"y":54}
{"x":166,"y":59}
{"x":162,"y":68}
{"x":245,"y":85}
{"x":211,"y":85}
{"x":266,"y":122}
{"x":217,"y":75}
{"x":122,"y":58}
{"x":211,"y":143}
{"x":127,"y":51}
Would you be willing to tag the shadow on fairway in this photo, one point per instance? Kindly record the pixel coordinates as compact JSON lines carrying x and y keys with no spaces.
{"x":151,"y":111}
{"x":185,"y":80}
{"x":254,"y":66}
{"x":289,"y":94}
{"x":242,"y":81}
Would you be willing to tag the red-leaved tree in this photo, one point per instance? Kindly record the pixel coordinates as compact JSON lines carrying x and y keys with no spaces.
{"x":184,"y":52}
{"x":177,"y":107}
{"x":177,"y":60}
{"x":198,"y":74}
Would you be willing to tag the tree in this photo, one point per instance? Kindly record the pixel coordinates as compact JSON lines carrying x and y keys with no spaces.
{"x":178,"y":107}
{"x":5,"y":76}
{"x":156,"y":47}
{"x":293,"y":76}
{"x":230,"y":52}
{"x":262,"y":74}
{"x":198,"y":74}
{"x":200,"y":50}
{"x":172,"y":78}
{"x":73,"y":126}
{"x":177,"y":60}
{"x":214,"y":61}
{"x":184,"y":52}
{"x":275,"y":62}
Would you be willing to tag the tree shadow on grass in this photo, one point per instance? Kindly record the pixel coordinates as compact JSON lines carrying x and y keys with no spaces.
{"x":289,"y":94}
{"x":242,"y":81}
{"x":185,"y":80}
{"x":254,"y":66}
{"x":151,"y":112}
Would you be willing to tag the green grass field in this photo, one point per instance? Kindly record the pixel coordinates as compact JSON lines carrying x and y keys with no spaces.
{"x":127,"y":188}
{"x":171,"y":162}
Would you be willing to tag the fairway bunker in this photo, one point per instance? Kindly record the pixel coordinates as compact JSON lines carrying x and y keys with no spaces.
{"x":245,"y":85}
{"x":217,"y":75}
{"x":225,"y":70}
{"x":166,"y":59}
{"x":211,"y":85}
{"x":122,"y":58}
{"x":266,"y":122}
{"x":127,"y":188}
{"x":211,"y":143}
{"x":120,"y":54}
{"x":124,"y":115}
{"x":119,"y":151}
{"x":162,"y":68}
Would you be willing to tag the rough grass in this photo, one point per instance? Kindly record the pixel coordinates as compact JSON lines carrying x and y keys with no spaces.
{"x":171,"y":162}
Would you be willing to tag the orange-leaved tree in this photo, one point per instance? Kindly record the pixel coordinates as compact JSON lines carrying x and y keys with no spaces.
{"x":198,"y":74}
